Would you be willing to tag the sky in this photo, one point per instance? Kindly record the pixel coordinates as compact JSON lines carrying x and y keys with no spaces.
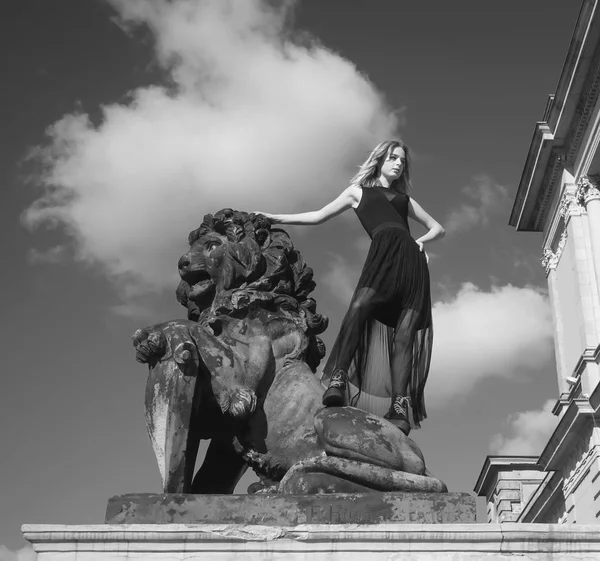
{"x":124,"y":122}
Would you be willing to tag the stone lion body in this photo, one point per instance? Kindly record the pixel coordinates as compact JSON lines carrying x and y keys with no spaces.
{"x":241,"y":371}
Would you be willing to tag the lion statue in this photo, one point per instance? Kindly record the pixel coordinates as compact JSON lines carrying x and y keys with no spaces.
{"x":241,"y":372}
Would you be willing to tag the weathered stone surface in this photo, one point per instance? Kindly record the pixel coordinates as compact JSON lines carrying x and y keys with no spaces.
{"x":372,"y":477}
{"x":317,"y":542}
{"x":288,"y":510}
{"x":320,"y":483}
{"x":354,"y":434}
{"x":241,"y":372}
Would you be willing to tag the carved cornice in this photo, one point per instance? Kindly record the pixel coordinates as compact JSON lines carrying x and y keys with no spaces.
{"x":584,"y":457}
{"x":551,"y":180}
{"x":572,"y":422}
{"x":551,"y":258}
{"x":585,"y":107}
{"x":588,"y":189}
{"x":576,"y":461}
{"x":565,"y":124}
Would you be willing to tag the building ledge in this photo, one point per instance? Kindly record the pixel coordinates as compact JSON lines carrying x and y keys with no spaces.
{"x":575,"y":416}
{"x":557,"y":139}
{"x":494,"y":464}
{"x":317,"y":541}
{"x":544,"y":498}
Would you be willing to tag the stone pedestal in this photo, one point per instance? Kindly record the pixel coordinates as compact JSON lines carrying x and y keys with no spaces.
{"x":314,"y":542}
{"x":290,"y":510}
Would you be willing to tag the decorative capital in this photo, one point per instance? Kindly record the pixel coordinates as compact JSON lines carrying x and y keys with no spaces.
{"x":588,"y":189}
{"x":551,"y":258}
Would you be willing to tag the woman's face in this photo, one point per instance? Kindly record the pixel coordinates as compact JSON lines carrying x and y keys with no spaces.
{"x":393,"y":164}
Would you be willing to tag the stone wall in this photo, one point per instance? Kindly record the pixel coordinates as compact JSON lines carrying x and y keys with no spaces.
{"x":321,"y":542}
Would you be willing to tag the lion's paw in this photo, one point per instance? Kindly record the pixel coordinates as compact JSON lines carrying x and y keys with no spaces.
{"x":150,"y":345}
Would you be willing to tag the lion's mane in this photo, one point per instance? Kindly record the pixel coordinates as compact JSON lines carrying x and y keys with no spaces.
{"x":262,"y":269}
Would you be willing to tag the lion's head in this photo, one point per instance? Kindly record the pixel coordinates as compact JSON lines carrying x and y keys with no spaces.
{"x":237,"y":264}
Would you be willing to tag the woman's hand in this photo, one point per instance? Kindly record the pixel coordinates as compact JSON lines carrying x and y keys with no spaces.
{"x":271,"y":217}
{"x":422,"y":250}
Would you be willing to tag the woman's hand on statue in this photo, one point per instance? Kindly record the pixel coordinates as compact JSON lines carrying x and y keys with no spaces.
{"x":265,"y":214}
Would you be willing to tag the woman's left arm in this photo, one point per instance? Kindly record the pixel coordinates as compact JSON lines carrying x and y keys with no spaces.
{"x":435,"y":229}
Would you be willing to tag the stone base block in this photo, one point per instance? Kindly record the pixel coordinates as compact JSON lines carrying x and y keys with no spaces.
{"x":290,"y":510}
{"x":315,"y":542}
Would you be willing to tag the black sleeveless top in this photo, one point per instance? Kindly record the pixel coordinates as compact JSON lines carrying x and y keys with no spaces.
{"x":381,"y":208}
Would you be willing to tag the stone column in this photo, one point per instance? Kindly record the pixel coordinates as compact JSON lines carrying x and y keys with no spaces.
{"x":588,"y":195}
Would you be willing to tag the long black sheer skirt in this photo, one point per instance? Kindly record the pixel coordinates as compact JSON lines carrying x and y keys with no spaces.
{"x":387,"y":327}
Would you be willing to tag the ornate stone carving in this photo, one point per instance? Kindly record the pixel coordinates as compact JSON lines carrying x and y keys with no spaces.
{"x":240,"y":371}
{"x":569,"y":205}
{"x":587,"y":189}
{"x":551,"y":258}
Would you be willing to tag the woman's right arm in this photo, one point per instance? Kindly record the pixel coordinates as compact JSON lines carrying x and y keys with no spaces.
{"x":346,"y":199}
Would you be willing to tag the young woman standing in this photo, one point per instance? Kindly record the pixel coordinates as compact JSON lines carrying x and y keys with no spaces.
{"x":383,"y":348}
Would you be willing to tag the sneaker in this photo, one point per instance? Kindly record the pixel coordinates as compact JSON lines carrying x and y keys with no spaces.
{"x":335,"y":395}
{"x":398,"y":414}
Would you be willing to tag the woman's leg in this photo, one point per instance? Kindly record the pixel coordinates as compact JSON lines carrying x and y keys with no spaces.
{"x":402,"y":368}
{"x":347,"y":343}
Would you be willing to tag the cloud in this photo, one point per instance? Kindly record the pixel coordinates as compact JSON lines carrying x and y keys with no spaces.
{"x":55,"y":254}
{"x":342,"y":277}
{"x":503,"y":333}
{"x":26,"y":553}
{"x":254,"y":117}
{"x":134,"y":310}
{"x":529,"y":430}
{"x":486,"y":199}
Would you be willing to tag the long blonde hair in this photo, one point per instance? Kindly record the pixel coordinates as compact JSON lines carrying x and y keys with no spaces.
{"x":368,"y":173}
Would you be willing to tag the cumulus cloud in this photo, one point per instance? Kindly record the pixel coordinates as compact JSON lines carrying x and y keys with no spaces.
{"x":134,"y":310}
{"x":486,"y":198}
{"x":342,"y":276}
{"x":341,"y":279}
{"x":503,"y":333}
{"x":26,"y":553}
{"x":254,"y":117}
{"x":529,"y":432}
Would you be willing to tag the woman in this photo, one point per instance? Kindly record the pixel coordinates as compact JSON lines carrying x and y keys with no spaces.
{"x":386,"y":335}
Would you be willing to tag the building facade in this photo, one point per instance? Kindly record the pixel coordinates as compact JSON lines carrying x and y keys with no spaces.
{"x":559,"y":195}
